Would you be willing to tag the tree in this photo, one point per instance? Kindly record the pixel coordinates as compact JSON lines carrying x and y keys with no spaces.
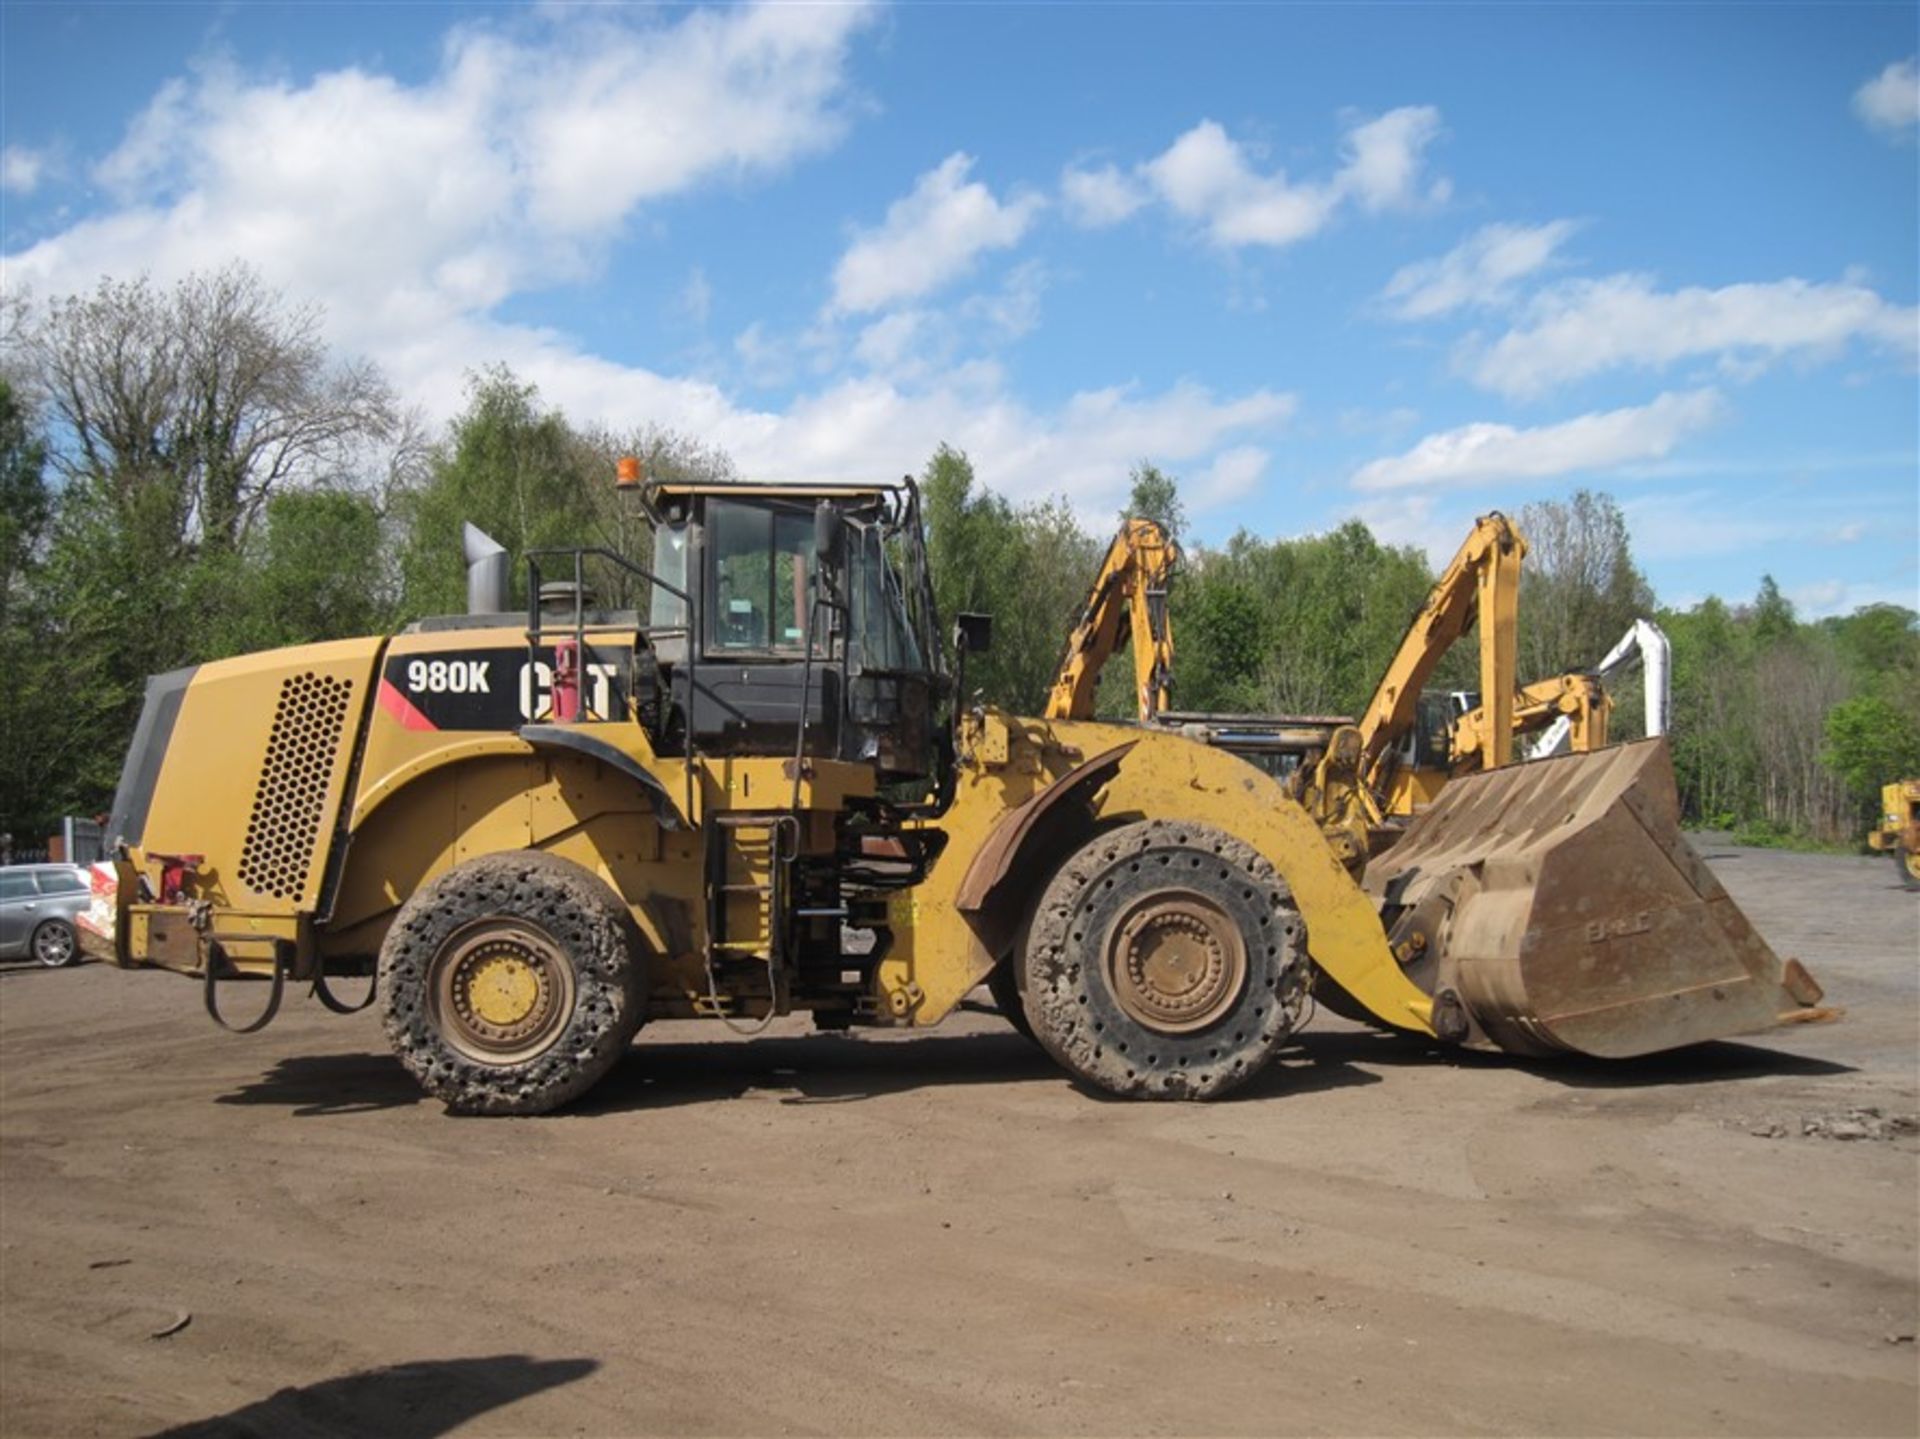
{"x":209,"y":396}
{"x":1156,"y":496}
{"x":25,"y":504}
{"x":1580,"y":589}
{"x":519,"y":470}
{"x":1304,"y":625}
{"x":1029,"y":567}
{"x":28,"y":698}
{"x":1869,"y":743}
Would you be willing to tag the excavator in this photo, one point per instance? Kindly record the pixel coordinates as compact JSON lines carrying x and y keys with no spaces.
{"x":528,"y":829}
{"x":1409,"y":743}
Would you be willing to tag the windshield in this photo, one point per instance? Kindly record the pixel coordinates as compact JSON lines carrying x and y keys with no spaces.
{"x":761,"y":587}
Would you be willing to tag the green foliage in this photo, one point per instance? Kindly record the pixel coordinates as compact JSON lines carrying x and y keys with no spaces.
{"x":1869,"y":743}
{"x":1156,"y":496}
{"x":25,"y":503}
{"x":1028,"y":566}
{"x":510,"y":467}
{"x":1300,"y":626}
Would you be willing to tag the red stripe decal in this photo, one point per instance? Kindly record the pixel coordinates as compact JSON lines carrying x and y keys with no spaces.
{"x":402,"y":708}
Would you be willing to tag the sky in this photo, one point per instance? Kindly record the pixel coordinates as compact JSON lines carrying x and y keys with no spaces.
{"x":1405,"y":262}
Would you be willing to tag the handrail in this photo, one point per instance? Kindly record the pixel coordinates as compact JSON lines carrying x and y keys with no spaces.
{"x":581,"y":629}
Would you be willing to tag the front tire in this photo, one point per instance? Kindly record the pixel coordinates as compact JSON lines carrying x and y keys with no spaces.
{"x":1908,"y":863}
{"x":1166,"y":961}
{"x":55,"y":944}
{"x":511,"y":984}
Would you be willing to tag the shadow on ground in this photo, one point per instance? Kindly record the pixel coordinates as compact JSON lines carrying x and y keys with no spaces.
{"x":846,"y":1069}
{"x":401,"y":1401}
{"x":324,"y":1084}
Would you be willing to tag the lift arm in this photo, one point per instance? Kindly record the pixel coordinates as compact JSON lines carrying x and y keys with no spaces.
{"x":1131,"y":586}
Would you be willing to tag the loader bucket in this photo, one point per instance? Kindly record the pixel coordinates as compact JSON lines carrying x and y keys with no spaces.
{"x":1555,"y":907}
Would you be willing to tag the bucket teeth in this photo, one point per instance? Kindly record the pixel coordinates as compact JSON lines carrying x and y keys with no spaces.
{"x":1556,"y":907}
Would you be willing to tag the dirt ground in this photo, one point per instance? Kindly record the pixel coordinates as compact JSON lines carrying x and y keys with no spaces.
{"x":938,"y":1235}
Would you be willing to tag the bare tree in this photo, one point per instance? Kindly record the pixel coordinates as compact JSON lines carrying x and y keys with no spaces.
{"x":1580,"y":589}
{"x":208,"y":396}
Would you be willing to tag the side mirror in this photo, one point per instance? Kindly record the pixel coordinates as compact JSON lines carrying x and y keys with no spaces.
{"x":973,"y":634}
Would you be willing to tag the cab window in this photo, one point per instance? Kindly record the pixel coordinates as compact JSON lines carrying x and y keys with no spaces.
{"x":761,"y":585}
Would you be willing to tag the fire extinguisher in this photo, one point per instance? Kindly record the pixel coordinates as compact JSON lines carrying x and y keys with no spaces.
{"x":566,"y":681}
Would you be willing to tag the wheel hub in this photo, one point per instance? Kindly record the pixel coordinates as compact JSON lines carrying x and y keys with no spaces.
{"x":502,"y":992}
{"x":1177,"y":962}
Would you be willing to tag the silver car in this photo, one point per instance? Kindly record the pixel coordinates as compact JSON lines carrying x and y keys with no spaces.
{"x":38,"y":905}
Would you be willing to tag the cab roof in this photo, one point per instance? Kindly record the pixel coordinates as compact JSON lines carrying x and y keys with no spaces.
{"x":673,"y":489}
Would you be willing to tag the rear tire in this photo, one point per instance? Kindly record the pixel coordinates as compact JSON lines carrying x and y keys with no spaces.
{"x":511,"y":984}
{"x":1908,"y":863}
{"x":55,"y":944}
{"x":1166,"y":961}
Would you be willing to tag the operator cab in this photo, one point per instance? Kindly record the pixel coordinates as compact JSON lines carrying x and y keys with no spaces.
{"x":796,"y":618}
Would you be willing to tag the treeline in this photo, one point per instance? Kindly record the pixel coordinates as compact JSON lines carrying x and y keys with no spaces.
{"x":189,"y":473}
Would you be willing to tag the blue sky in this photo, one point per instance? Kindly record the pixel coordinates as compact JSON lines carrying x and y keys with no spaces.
{"x":1406,"y":262}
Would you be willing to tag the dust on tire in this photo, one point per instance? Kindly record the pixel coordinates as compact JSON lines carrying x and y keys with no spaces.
{"x":590,"y":928}
{"x":1069,"y":999}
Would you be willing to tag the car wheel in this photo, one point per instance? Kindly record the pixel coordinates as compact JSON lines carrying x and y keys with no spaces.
{"x":55,"y":944}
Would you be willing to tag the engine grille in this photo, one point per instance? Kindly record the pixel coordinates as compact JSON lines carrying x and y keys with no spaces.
{"x":290,"y":801}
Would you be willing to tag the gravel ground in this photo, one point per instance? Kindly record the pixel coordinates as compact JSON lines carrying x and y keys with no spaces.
{"x":278,"y":1236}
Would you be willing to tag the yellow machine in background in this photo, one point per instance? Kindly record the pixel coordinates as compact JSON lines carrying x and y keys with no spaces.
{"x":759,"y":794}
{"x":1898,"y":833}
{"x":1408,"y":743}
{"x":1131,"y":589}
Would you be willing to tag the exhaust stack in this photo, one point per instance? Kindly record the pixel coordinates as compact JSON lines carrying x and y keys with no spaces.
{"x":487,"y":567}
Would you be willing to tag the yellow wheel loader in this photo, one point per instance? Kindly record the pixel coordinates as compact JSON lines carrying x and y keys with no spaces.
{"x":762,"y":792}
{"x":1898,"y":833}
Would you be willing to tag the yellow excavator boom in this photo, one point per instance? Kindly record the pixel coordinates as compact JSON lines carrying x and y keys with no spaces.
{"x":1131,"y":588}
{"x":1481,"y":584}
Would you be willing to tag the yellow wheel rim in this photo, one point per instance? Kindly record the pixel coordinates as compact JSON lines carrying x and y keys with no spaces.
{"x":501,"y":991}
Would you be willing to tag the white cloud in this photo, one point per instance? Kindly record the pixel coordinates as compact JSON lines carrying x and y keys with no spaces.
{"x":1094,"y":199}
{"x":1234,"y":474}
{"x":410,"y":209}
{"x":1383,"y":156}
{"x":1206,"y":176}
{"x":1585,"y":327}
{"x":1483,"y":453}
{"x":931,"y":235}
{"x":21,"y":169}
{"x":1823,"y":598}
{"x":1481,"y":270}
{"x":696,"y":297}
{"x":474,"y":183}
{"x":1890,"y":101}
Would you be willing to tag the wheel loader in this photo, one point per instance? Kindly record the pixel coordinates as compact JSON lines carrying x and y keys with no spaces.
{"x":762,"y":791}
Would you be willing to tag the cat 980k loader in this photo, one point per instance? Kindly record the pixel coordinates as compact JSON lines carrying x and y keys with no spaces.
{"x":760,"y":791}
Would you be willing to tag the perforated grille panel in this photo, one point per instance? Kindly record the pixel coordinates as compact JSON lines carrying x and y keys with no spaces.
{"x":290,"y":802}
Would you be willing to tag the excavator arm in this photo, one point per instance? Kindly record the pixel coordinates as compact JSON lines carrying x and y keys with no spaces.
{"x":1130,"y":590}
{"x":1481,"y":584}
{"x":1575,"y":707}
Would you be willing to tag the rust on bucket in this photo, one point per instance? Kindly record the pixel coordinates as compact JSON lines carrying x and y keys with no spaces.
{"x":1555,"y":906}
